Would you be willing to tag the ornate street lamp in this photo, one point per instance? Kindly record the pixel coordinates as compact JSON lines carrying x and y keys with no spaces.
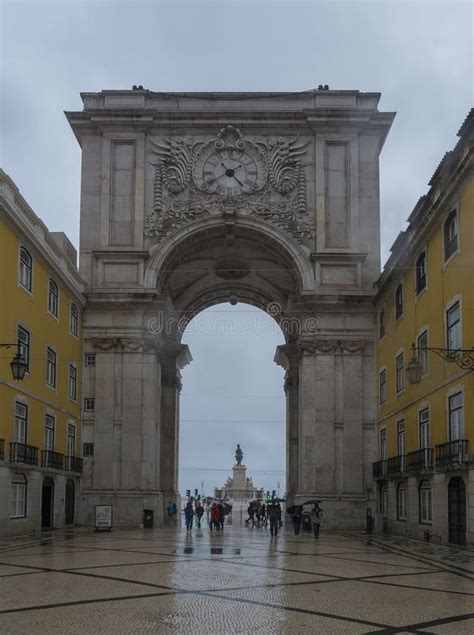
{"x":18,"y":364}
{"x":464,"y":358}
{"x":414,"y":369}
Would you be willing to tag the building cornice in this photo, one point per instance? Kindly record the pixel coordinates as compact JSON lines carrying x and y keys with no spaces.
{"x":16,"y":211}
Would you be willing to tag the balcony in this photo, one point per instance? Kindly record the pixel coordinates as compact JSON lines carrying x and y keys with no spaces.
{"x":420,"y":461}
{"x":73,"y":464}
{"x":22,"y":453}
{"x":379,"y":469}
{"x":52,"y":459}
{"x":452,"y":454}
{"x":396,"y":465}
{"x":2,"y":449}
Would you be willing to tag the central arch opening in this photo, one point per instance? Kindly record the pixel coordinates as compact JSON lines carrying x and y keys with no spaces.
{"x":232,"y":394}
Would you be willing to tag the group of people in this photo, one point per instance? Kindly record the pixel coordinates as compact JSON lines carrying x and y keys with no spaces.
{"x":316,"y":516}
{"x":259,"y":515}
{"x":190,"y":512}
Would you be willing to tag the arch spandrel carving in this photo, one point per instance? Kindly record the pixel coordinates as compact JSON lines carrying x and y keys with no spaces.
{"x":260,"y":176}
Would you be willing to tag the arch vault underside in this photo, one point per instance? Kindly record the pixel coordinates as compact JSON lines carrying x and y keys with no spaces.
{"x":177,"y":217}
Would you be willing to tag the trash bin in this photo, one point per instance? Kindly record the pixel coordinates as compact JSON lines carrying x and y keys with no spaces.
{"x":147,"y":518}
{"x":306,"y":521}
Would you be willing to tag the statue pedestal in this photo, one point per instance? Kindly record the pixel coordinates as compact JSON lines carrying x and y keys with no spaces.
{"x":239,"y":479}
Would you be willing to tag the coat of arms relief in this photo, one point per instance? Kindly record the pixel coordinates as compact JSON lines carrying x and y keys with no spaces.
{"x":230,"y":173}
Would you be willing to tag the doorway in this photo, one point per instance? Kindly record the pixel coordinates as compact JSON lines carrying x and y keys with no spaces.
{"x":457,"y":511}
{"x":69,"y":502}
{"x":47,"y":503}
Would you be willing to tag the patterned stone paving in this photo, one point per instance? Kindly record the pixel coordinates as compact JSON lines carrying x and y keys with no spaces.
{"x":241,"y":581}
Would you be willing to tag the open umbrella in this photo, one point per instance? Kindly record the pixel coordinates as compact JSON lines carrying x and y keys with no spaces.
{"x":311,"y":502}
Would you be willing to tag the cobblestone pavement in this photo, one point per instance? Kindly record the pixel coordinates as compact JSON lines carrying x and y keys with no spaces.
{"x":241,"y":581}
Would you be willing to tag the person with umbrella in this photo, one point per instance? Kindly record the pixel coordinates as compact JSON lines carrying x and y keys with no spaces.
{"x":273,"y":517}
{"x":316,"y":517}
{"x":296,"y":512}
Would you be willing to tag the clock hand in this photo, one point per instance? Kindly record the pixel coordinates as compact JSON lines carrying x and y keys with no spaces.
{"x":238,"y":181}
{"x":231,"y":169}
{"x":214,"y":179}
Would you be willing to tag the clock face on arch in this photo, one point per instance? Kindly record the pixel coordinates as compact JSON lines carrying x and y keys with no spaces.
{"x":230,"y":171}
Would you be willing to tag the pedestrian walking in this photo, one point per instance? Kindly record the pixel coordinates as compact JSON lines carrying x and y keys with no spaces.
{"x":251,"y":513}
{"x":296,"y":517}
{"x":221,"y":515}
{"x":316,"y":517}
{"x":189,"y":515}
{"x":171,"y":511}
{"x":215,"y":517}
{"x":199,"y":511}
{"x":272,"y":513}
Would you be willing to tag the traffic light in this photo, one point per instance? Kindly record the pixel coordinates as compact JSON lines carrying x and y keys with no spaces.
{"x":268,"y":495}
{"x":188,"y":493}
{"x":274,"y":493}
{"x":195,"y":492}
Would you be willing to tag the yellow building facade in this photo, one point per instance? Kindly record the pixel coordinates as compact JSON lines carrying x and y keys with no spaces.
{"x":424,"y":471}
{"x":40,"y":426}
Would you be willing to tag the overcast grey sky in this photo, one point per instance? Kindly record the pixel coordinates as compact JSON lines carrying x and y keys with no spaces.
{"x":417,"y":54}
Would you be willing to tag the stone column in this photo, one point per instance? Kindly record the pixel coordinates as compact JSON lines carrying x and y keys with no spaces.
{"x":288,"y":356}
{"x":173,"y":358}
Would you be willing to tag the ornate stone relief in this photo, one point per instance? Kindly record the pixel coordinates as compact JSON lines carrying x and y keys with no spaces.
{"x":314,"y":346}
{"x":130,"y":345}
{"x":230,"y":173}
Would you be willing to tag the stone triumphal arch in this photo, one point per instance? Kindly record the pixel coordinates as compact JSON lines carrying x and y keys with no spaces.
{"x":193,"y":199}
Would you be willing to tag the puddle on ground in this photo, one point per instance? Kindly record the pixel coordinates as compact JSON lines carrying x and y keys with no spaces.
{"x":214,"y":551}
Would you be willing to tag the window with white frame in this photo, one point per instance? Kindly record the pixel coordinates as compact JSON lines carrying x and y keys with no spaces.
{"x":89,"y":404}
{"x":453,"y":327}
{"x":18,"y":496}
{"x":401,"y":437}
{"x":382,"y":324}
{"x":51,"y":367}
{"x":425,"y":502}
{"x":49,"y":432}
{"x":71,"y":439}
{"x":399,"y":301}
{"x":383,"y":499}
{"x":456,"y":417}
{"x":450,"y":235}
{"x":420,"y":272}
{"x":89,"y":359}
{"x":422,"y":345}
{"x":383,"y":386}
{"x":425,"y":436}
{"x":25,"y":273}
{"x":402,"y":501}
{"x":400,"y":372}
{"x":20,"y":423}
{"x":23,"y":339}
{"x":424,"y":427}
{"x":53,"y":298}
{"x":74,"y":320}
{"x":383,"y":444}
{"x":72,"y":382}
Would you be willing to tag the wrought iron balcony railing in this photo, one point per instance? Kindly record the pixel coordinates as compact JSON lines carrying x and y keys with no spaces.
{"x":22,"y":453}
{"x":379,"y":469}
{"x":73,"y":464}
{"x":396,"y":465}
{"x":2,"y":449}
{"x":452,"y":454}
{"x":420,"y":461}
{"x":52,"y":459}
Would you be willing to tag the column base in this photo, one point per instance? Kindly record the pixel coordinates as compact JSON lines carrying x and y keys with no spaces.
{"x":127,"y":506}
{"x":341,"y":511}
